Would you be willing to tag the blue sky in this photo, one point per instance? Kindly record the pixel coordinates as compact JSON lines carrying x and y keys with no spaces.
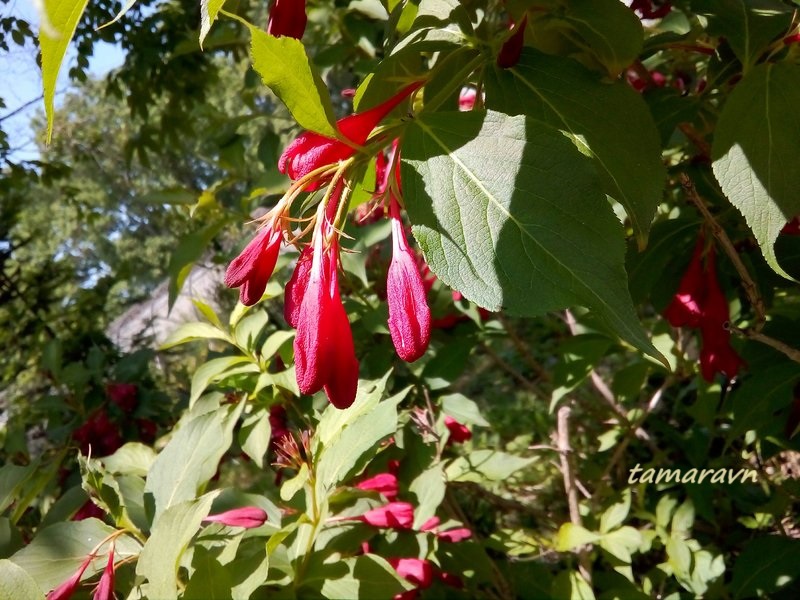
{"x":21,"y":80}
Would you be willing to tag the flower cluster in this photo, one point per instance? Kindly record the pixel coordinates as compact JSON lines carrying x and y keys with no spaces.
{"x":699,"y":303}
{"x":324,"y":352}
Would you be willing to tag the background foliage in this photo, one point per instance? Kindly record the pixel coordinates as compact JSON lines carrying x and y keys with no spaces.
{"x":632,"y":136}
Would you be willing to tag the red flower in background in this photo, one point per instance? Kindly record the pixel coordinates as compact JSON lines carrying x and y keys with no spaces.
{"x":651,"y":9}
{"x":792,"y":227}
{"x":309,"y":150}
{"x":459,"y":433}
{"x":409,"y":315}
{"x":287,"y":17}
{"x":123,"y":395}
{"x":512,"y":48}
{"x":252,"y":269}
{"x":686,"y":308}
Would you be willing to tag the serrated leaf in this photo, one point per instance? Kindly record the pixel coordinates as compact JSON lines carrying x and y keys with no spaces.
{"x":486,"y":465}
{"x":209,"y":10}
{"x":615,"y":128}
{"x":189,"y":332}
{"x":509,"y":213}
{"x":172,"y":532}
{"x":571,"y":536}
{"x":57,"y":551}
{"x":756,"y":152}
{"x":191,"y":457}
{"x":59,"y":19}
{"x":748,"y":25}
{"x":286,"y":69}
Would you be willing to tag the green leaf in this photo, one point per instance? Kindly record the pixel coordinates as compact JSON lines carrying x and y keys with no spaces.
{"x":209,"y":10}
{"x":765,"y":565}
{"x":608,"y":122}
{"x":191,"y":457}
{"x":333,"y":421}
{"x":286,"y":69}
{"x":571,"y":536}
{"x":760,"y":396}
{"x":429,"y":488}
{"x":756,"y":153}
{"x":189,"y":332}
{"x":16,"y":583}
{"x":486,"y":465}
{"x":509,"y":213}
{"x":254,"y":435}
{"x":463,"y":410}
{"x":216,"y":370}
{"x":366,"y":576}
{"x":748,"y":25}
{"x":171,"y":534}
{"x":570,"y":585}
{"x":57,"y":551}
{"x":59,"y":19}
{"x":609,"y":29}
{"x":578,"y":356}
{"x":615,"y":514}
{"x":621,"y":543}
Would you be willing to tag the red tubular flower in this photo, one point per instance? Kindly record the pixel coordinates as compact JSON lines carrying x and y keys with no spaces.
{"x":105,"y":589}
{"x":287,"y":17}
{"x":418,"y":571}
{"x":252,"y":269}
{"x":310,"y":151}
{"x":383,"y":483}
{"x":792,"y":227}
{"x":512,"y":48}
{"x":686,"y":308}
{"x":409,"y":315}
{"x":323,"y":347}
{"x":431,"y":524}
{"x":395,"y":515}
{"x":247,"y":517}
{"x":296,"y":287}
{"x":66,"y":589}
{"x":458,"y":431}
{"x":457,"y":534}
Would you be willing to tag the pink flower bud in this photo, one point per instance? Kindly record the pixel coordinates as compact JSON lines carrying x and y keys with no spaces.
{"x":105,"y":589}
{"x":287,"y":17}
{"x":383,"y":483}
{"x":395,"y":515}
{"x":458,"y":534}
{"x":247,"y":517}
{"x":418,"y":571}
{"x":466,"y":99}
{"x":66,"y":589}
{"x":252,"y":269}
{"x":458,"y":432}
{"x":409,"y":315}
{"x":430,"y":524}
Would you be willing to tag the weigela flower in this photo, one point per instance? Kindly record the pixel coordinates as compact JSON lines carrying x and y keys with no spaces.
{"x":287,"y":17}
{"x":459,"y":433}
{"x":409,"y":315}
{"x":323,"y":347}
{"x":66,"y":589}
{"x":309,"y":150}
{"x":383,"y":483}
{"x":252,"y":269}
{"x":512,"y":48}
{"x":686,"y":310}
{"x":395,"y":515}
{"x":105,"y":589}
{"x":247,"y":517}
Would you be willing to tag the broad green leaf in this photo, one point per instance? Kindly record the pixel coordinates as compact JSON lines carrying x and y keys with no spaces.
{"x":571,"y":536}
{"x":486,"y":465}
{"x":16,"y":583}
{"x":209,"y":9}
{"x":211,"y":580}
{"x":578,"y":356}
{"x":274,"y":342}
{"x":509,"y":213}
{"x":683,"y":519}
{"x":291,"y":486}
{"x":760,"y":396}
{"x":621,"y":543}
{"x":286,"y":69}
{"x":254,"y":435}
{"x":615,"y":514}
{"x":172,"y":531}
{"x":615,"y":128}
{"x":366,"y":576}
{"x":189,"y":332}
{"x":756,"y":152}
{"x":570,"y":585}
{"x":333,"y":420}
{"x":191,"y":458}
{"x":59,"y":19}
{"x":13,"y":477}
{"x":679,"y":557}
{"x":131,"y":459}
{"x":215,"y":370}
{"x":463,"y":410}
{"x":429,"y":488}
{"x":765,"y":565}
{"x":748,"y":25}
{"x":57,"y":551}
{"x":609,"y":29}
